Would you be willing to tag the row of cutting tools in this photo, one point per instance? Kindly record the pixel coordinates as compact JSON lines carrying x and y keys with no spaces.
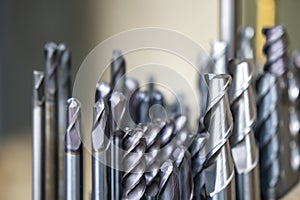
{"x":246,"y":147}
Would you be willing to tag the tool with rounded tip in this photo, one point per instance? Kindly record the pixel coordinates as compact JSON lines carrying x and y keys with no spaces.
{"x":182,"y":160}
{"x":152,"y":136}
{"x":64,"y":93}
{"x":117,"y":103}
{"x":134,"y":164}
{"x":73,"y":151}
{"x":267,"y":133}
{"x":51,"y":127}
{"x":103,"y":91}
{"x":38,"y":137}
{"x":244,"y":150}
{"x":220,"y":57}
{"x":100,"y":146}
{"x":218,"y":167}
{"x":169,"y":184}
{"x":246,"y":35}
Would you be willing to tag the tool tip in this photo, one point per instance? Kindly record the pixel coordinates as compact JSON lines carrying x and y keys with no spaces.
{"x":103,"y":90}
{"x":117,"y":54}
{"x":38,"y":81}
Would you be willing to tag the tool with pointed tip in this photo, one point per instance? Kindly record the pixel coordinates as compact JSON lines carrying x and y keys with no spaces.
{"x":100,"y":146}
{"x":38,"y":137}
{"x":169,"y":184}
{"x":244,"y":150}
{"x":152,"y":136}
{"x":64,"y":93}
{"x":51,"y":128}
{"x":134,"y":164}
{"x":218,"y":166}
{"x":73,"y":151}
{"x":117,"y":104}
{"x":182,"y":160}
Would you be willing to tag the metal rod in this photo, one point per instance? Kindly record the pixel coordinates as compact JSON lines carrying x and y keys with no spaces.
{"x":73,"y":150}
{"x":50,"y":122}
{"x":38,"y":135}
{"x":64,"y":93}
{"x":228,"y":24}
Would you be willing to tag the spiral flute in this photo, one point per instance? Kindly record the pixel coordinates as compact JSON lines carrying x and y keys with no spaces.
{"x":182,"y":160}
{"x":244,"y":150}
{"x":100,"y":145}
{"x":218,"y":167}
{"x":134,"y":165}
{"x":169,"y":184}
{"x":64,"y":93}
{"x":277,"y":64}
{"x":152,"y":136}
{"x":51,"y":127}
{"x":267,"y":133}
{"x":73,"y":152}
{"x":38,"y":137}
{"x":118,"y":70}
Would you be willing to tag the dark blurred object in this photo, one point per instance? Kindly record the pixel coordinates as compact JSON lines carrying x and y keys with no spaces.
{"x":25,"y":27}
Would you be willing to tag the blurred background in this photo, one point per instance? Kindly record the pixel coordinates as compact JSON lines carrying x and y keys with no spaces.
{"x":27,"y":25}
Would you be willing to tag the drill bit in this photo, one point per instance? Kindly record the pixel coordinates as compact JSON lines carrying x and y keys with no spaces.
{"x":103,"y":91}
{"x":118,"y":70}
{"x":144,"y":106}
{"x":100,"y":145}
{"x":152,"y":136}
{"x":38,"y":135}
{"x":243,"y":145}
{"x":198,"y":158}
{"x":132,"y":94}
{"x":64,"y":93}
{"x":246,"y":35}
{"x":51,"y":128}
{"x":267,"y":133}
{"x":277,"y":64}
{"x":134,"y":165}
{"x":218,"y":167}
{"x":182,"y":159}
{"x":169,"y":185}
{"x":220,"y":57}
{"x":117,"y":108}
{"x":73,"y":151}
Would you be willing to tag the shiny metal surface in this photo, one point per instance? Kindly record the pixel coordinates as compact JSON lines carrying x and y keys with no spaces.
{"x":51,"y":127}
{"x":228,"y":24}
{"x":64,"y":93}
{"x":218,"y":169}
{"x":219,"y":55}
{"x":244,"y":150}
{"x":100,"y":146}
{"x":152,"y":136}
{"x":182,"y":160}
{"x":169,"y":184}
{"x":117,"y":105}
{"x":118,"y":71}
{"x":73,"y":152}
{"x":38,"y":137}
{"x":246,"y":35}
{"x":277,"y":64}
{"x":134,"y":164}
